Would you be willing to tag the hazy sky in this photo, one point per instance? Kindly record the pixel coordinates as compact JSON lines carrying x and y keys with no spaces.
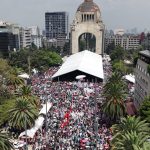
{"x":125,"y":14}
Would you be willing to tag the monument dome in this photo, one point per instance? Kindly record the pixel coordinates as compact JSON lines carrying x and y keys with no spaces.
{"x":88,"y":6}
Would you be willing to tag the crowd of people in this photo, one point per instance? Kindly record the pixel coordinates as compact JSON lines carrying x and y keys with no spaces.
{"x":75,"y":119}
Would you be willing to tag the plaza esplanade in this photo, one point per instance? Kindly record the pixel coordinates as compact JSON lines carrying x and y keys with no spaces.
{"x":88,"y":6}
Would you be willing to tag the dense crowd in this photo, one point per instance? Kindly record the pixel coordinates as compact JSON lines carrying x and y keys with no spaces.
{"x":75,"y":119}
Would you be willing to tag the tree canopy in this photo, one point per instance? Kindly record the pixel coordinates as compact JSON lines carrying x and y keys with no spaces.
{"x":115,"y":94}
{"x":117,"y":54}
{"x":144,"y":110}
{"x":130,"y":134}
{"x":39,"y":59}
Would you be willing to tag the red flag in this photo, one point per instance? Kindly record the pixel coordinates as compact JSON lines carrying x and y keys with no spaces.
{"x":65,"y":122}
{"x":67,"y":115}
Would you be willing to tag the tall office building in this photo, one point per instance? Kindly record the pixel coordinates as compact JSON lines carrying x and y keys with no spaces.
{"x":29,"y":36}
{"x":9,"y":37}
{"x":142,"y":77}
{"x":36,"y":38}
{"x":25,"y":34}
{"x":145,"y":41}
{"x":56,"y":26}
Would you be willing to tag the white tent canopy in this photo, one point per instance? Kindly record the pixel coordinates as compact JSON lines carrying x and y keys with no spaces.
{"x":130,"y":78}
{"x":31,"y":132}
{"x":43,"y":110}
{"x":24,"y":75}
{"x":85,"y":61}
{"x":38,"y":123}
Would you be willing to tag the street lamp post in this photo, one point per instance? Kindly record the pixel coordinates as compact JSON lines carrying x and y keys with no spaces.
{"x":46,"y":117}
{"x":26,"y":132}
{"x":96,"y":121}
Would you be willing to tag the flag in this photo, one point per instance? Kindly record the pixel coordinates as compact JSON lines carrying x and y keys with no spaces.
{"x":65,"y":122}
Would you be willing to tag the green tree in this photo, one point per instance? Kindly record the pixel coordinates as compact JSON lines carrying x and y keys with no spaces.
{"x":40,"y":59}
{"x":117,"y":54}
{"x":115,"y":94}
{"x":148,"y":69}
{"x":4,"y":78}
{"x":19,"y":59}
{"x":146,"y":146}
{"x":131,"y":123}
{"x":4,"y":69}
{"x":5,"y":143}
{"x":130,"y":133}
{"x":110,"y":48}
{"x":13,"y":79}
{"x":66,"y":48}
{"x":43,"y":59}
{"x":119,"y":66}
{"x":129,"y":141}
{"x":116,"y":77}
{"x":22,"y":113}
{"x":26,"y":92}
{"x":4,"y":107}
{"x":82,"y":45}
{"x":135,"y":61}
{"x":144,"y":110}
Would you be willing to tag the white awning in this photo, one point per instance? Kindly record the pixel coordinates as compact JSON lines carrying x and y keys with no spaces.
{"x":30,"y":133}
{"x":85,"y":61}
{"x":43,"y":110}
{"x":25,"y":75}
{"x":130,"y":78}
{"x":38,"y":123}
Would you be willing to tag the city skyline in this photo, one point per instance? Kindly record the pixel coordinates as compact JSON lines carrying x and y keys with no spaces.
{"x":115,"y":13}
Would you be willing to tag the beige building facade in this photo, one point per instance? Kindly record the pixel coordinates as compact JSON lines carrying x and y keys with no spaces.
{"x":126,"y":41}
{"x":87,"y":20}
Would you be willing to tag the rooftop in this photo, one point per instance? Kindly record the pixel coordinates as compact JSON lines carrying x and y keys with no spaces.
{"x":85,"y":61}
{"x":145,"y":53}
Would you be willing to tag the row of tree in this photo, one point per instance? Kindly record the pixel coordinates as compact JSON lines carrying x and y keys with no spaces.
{"x":130,"y":133}
{"x":19,"y":113}
{"x":18,"y":106}
{"x":118,"y":57}
{"x":40,"y":59}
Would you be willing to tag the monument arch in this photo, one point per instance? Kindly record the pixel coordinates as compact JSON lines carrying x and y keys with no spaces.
{"x":87,"y":20}
{"x":87,"y":41}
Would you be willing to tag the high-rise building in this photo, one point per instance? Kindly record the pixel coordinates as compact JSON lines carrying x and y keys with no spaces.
{"x":36,"y":38}
{"x":142,"y":77}
{"x":25,"y":37}
{"x":30,"y":36}
{"x":9,"y":37}
{"x":56,"y":26}
{"x":145,"y":42}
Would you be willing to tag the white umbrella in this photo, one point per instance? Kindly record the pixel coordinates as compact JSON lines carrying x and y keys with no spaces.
{"x":25,"y":75}
{"x":34,"y":71}
{"x":80,"y":77}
